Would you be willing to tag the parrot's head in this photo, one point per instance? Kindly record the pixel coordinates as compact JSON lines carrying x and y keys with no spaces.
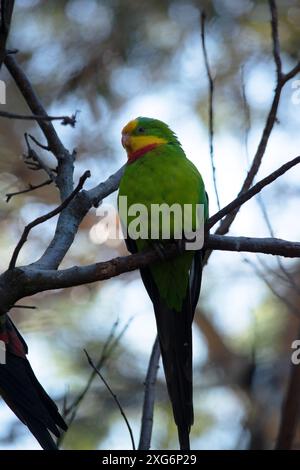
{"x":144,"y":134}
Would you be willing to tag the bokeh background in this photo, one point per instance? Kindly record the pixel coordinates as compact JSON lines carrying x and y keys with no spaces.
{"x":113,"y":60}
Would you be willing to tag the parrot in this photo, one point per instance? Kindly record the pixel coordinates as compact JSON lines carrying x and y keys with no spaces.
{"x":157,"y":172}
{"x":21,"y":390}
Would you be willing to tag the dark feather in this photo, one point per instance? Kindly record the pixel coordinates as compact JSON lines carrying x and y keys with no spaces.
{"x":175,"y":338}
{"x":28,"y":400}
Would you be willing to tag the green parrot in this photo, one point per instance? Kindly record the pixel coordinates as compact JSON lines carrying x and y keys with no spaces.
{"x":158,"y":172}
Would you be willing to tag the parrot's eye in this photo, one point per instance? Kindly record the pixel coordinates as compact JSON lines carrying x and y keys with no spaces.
{"x":140,"y":130}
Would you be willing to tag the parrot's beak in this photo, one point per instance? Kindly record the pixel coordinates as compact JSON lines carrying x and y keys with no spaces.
{"x":126,"y":140}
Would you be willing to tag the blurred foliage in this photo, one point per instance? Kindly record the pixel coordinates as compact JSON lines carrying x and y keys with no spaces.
{"x":96,"y":56}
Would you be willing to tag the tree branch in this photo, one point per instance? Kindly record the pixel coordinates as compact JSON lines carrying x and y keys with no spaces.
{"x":97,"y":371}
{"x":149,"y":398}
{"x":70,"y":219}
{"x":31,"y":187}
{"x":65,"y":120}
{"x":29,"y":280}
{"x":275,"y":38}
{"x":246,"y":195}
{"x":46,"y":217}
{"x":282,"y":79}
{"x":211,"y":109}
{"x":65,"y":159}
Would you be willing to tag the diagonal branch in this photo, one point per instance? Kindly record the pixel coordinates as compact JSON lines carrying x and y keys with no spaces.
{"x":70,"y":219}
{"x":65,"y":159}
{"x":234,"y":206}
{"x":282,"y":79}
{"x":46,"y":217}
{"x":31,"y":187}
{"x":97,"y":371}
{"x":34,"y":162}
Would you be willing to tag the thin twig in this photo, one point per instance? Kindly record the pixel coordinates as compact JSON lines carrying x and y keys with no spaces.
{"x":46,"y":217}
{"x":44,"y":147}
{"x":210,"y":107}
{"x":65,"y":169}
{"x":35,"y":105}
{"x":108,"y":347}
{"x":149,"y":398}
{"x":282,"y":268}
{"x":292,"y":308}
{"x":31,"y":187}
{"x":275,"y":38}
{"x":246,"y":195}
{"x":70,"y":411}
{"x":282,"y":79}
{"x":113,"y":395}
{"x":65,"y":120}
{"x":34,"y":162}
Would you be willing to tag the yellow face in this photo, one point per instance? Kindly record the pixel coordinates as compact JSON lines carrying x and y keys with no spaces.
{"x":133,"y":143}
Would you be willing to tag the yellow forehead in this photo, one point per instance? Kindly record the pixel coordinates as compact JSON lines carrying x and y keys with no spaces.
{"x":130,"y":127}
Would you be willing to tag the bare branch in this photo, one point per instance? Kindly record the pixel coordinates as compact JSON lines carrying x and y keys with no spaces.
{"x":287,"y":276}
{"x":268,"y":246}
{"x":275,"y":38}
{"x":46,"y":217}
{"x":97,"y":371}
{"x":290,"y":307}
{"x":31,"y":187}
{"x":34,"y":162}
{"x":282,"y":79}
{"x":65,"y":120}
{"x":35,"y":106}
{"x":65,"y":159}
{"x":234,"y":206}
{"x":211,"y":109}
{"x":44,"y":147}
{"x":149,"y":398}
{"x":71,"y":218}
{"x":108,"y":347}
{"x":104,"y":189}
{"x":291,"y":74}
{"x":38,"y":280}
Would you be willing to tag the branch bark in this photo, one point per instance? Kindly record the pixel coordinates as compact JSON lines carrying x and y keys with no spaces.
{"x":65,"y":159}
{"x":282,"y":79}
{"x":149,"y":398}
